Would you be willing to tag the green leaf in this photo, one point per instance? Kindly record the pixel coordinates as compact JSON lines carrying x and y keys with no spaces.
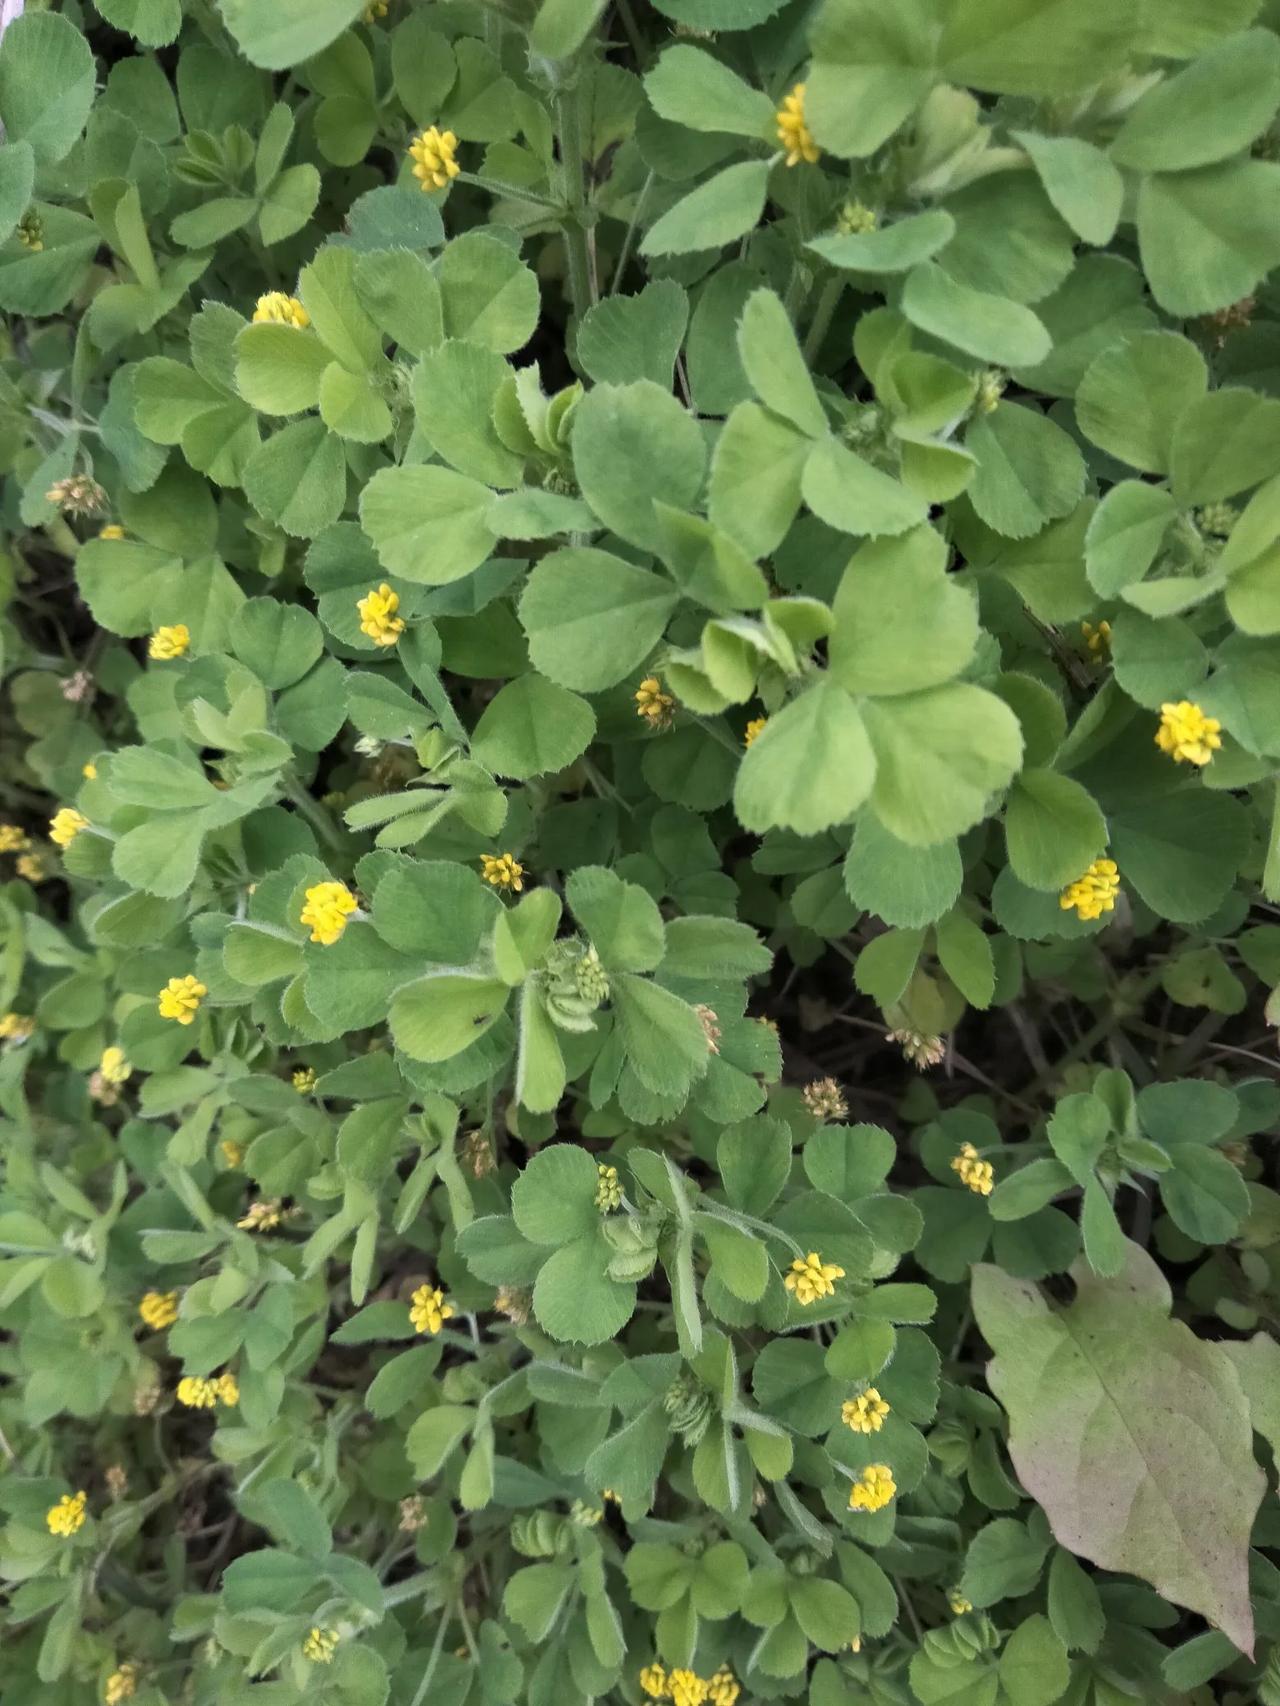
{"x":1079,"y":180}
{"x":1075,"y":1606}
{"x":1054,"y":829}
{"x":1205,"y":1195}
{"x":870,"y":69}
{"x":434,"y":1435}
{"x":812,"y":766}
{"x":627,"y":338}
{"x":1107,"y":1394}
{"x":889,"y":248}
{"x":439,"y":1015}
{"x":574,"y":1298}
{"x":826,"y":1612}
{"x":1207,"y":112}
{"x":592,"y":618}
{"x":532,"y":728}
{"x":847,"y":492}
{"x":553,"y":1201}
{"x":454,"y":391}
{"x":293,"y":1516}
{"x":1035,"y":47}
{"x":632,"y":444}
{"x":902,"y":885}
{"x":1125,"y":535}
{"x":901,"y":623}
{"x":773,"y":363}
{"x":487,"y":294}
{"x":662,"y":1035}
{"x":17,"y":177}
{"x":298,"y":479}
{"x":939,"y":756}
{"x":1180,"y":851}
{"x":1004,"y":1559}
{"x":1224,"y":443}
{"x":964,"y":952}
{"x":623,"y":922}
{"x":755,"y":478}
{"x":288,"y":31}
{"x":1029,"y":470}
{"x":719,"y":211}
{"x":1078,"y":1132}
{"x":278,"y":368}
{"x":427,"y":524}
{"x":1132,"y":397}
{"x":690,"y":88}
{"x":46,"y":83}
{"x":989,"y":327}
{"x":1034,"y":1669}
{"x":1207,"y":238}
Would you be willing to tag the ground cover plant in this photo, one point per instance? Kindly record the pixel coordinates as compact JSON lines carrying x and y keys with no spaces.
{"x":641,"y":852}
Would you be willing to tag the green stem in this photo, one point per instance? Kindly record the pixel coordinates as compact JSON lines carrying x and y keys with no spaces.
{"x":315,"y":814}
{"x":513,"y":192}
{"x":569,"y":125}
{"x":822,"y":313}
{"x":625,"y":253}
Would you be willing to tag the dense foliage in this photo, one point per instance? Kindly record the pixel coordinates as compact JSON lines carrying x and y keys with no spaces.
{"x":642,"y":852}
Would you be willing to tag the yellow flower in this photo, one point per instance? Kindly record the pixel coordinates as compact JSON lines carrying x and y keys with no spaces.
{"x":12,"y":838}
{"x":122,"y":1684}
{"x":503,"y":870}
{"x":1186,"y":734}
{"x":429,"y":1311}
{"x":228,"y":1389}
{"x":754,"y":729}
{"x":656,"y":707}
{"x":1097,"y":639}
{"x":1095,"y":892}
{"x":378,"y":617}
{"x":281,"y":310}
{"x":686,"y":1688}
{"x":874,"y":1490}
{"x":114,"y":1067}
{"x":810,"y":1278}
{"x":31,"y":868}
{"x":328,"y":907}
{"x":197,"y":1394}
{"x":111,"y":530}
{"x":865,"y":1414}
{"x":960,"y":1606}
{"x":433,"y":154}
{"x":16,"y":1027}
{"x":159,"y":1309}
{"x":304,"y":1080}
{"x":169,"y":643}
{"x":978,"y":1175}
{"x":793,"y":133}
{"x":89,"y":771}
{"x":262,"y":1216}
{"x":232,"y":1152}
{"x":724,"y":1688}
{"x":653,"y":1679}
{"x":320,"y":1646}
{"x":65,"y":824}
{"x":181,"y":997}
{"x":608,"y":1190}
{"x":67,"y":1516}
{"x":373,"y":11}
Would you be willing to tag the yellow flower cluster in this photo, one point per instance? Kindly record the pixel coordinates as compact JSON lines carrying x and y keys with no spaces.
{"x":262,"y":1216}
{"x":502,"y":870}
{"x":960,"y":1606}
{"x":687,"y":1688}
{"x":811,"y":1278}
{"x":373,"y":11}
{"x":1097,"y":639}
{"x":434,"y":155}
{"x":173,"y":641}
{"x":181,"y":997}
{"x":204,"y":1394}
{"x":378,"y":617}
{"x":13,"y":839}
{"x":865,"y":1414}
{"x":328,"y":907}
{"x":31,"y":867}
{"x":65,"y":824}
{"x":122,"y":1684}
{"x":111,"y":530}
{"x":320,"y":1646}
{"x":281,"y":310}
{"x":1186,"y":734}
{"x":428,"y":1310}
{"x":1094,"y":893}
{"x":793,"y":133}
{"x":608,"y":1190}
{"x":978,"y":1175}
{"x":874,"y":1489}
{"x":304,"y":1080}
{"x":754,"y":729}
{"x":67,"y":1516}
{"x":16,"y":1027}
{"x":89,"y":771}
{"x":232,"y":1152}
{"x":656,"y":707}
{"x":159,"y":1309}
{"x":115,"y":1066}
